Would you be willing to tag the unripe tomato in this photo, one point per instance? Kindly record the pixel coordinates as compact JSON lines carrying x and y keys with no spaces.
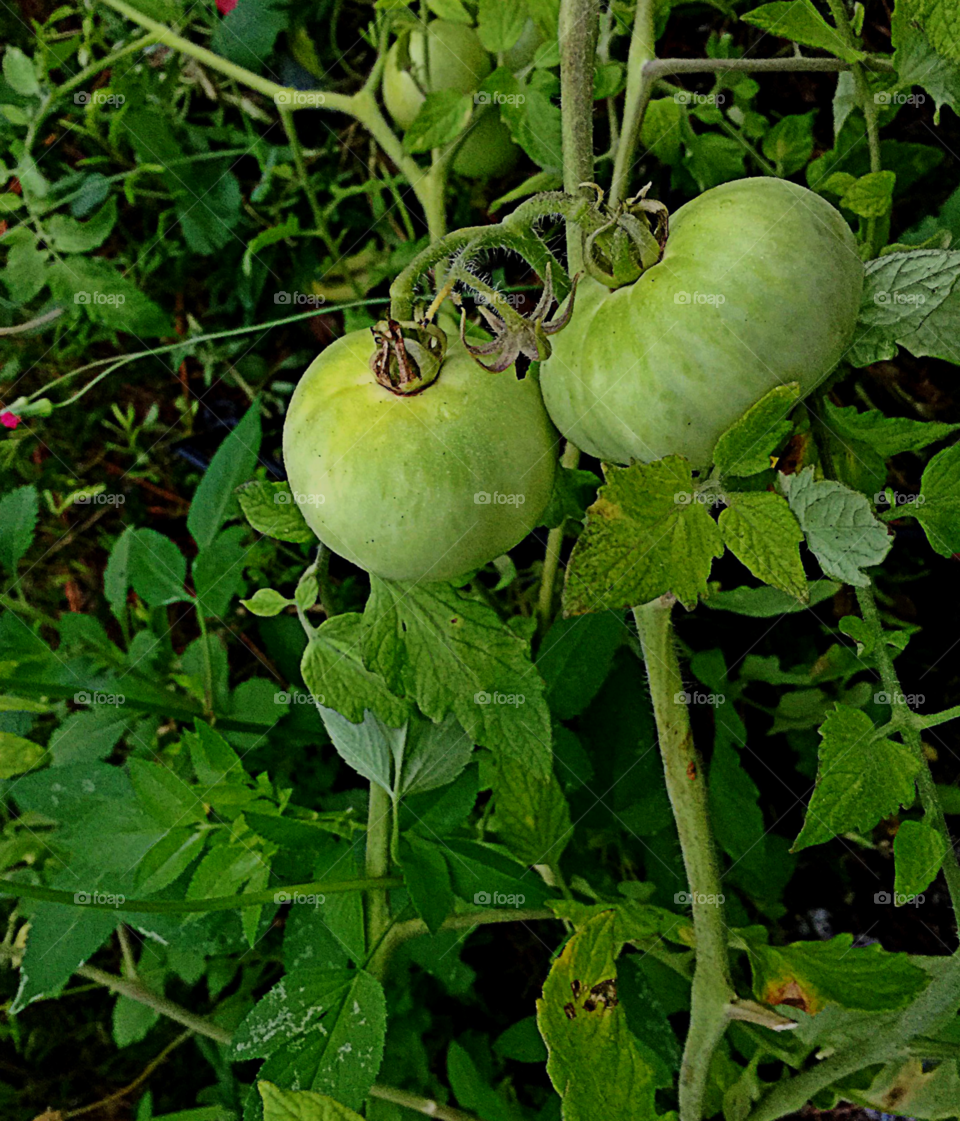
{"x":759,"y":285}
{"x":457,"y":62}
{"x":428,"y":486}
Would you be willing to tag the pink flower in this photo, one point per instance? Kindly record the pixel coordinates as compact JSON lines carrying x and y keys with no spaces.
{"x":9,"y":420}
{"x":224,"y":6}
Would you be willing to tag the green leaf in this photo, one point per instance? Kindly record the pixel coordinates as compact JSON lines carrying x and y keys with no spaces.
{"x":530,"y":115}
{"x":500,"y":25}
{"x":156,"y":568}
{"x":71,"y":236}
{"x":633,"y":921}
{"x":941,"y":22}
{"x":886,"y":435}
{"x":450,"y":653}
{"x":20,"y":73}
{"x":522,"y":1042}
{"x":661,"y":133}
{"x":18,"y":754}
{"x":811,"y":975}
{"x":646,"y":1017}
{"x":116,"y":576}
{"x":870,"y":196}
{"x":918,"y":64}
{"x":908,"y":300}
{"x":301,"y":1105}
{"x":762,"y":533}
{"x":427,"y":878}
{"x":918,"y":851}
{"x":862,"y":778}
{"x":800,"y":21}
{"x":938,"y":505}
{"x":573,"y":491}
{"x":218,"y":571}
{"x":169,"y":858}
{"x":483,"y":875}
{"x":746,"y":447}
{"x":214,"y":760}
{"x":644,"y":537}
{"x":266,"y":603}
{"x":838,"y":524}
{"x":575,"y":658}
{"x":246,"y":36}
{"x":270,"y":236}
{"x":789,"y":144}
{"x":18,"y":522}
{"x":593,"y":1056}
{"x":336,"y":676}
{"x":270,"y":509}
{"x":215,"y":502}
{"x":769,"y":603}
{"x":531,"y":816}
{"x":93,"y":285}
{"x":59,"y":940}
{"x":443,"y":115}
{"x":320,"y":1029}
{"x":167,"y":798}
{"x":452,"y":10}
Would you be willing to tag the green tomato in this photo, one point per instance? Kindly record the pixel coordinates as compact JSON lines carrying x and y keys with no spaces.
{"x":457,"y":62}
{"x":428,"y":486}
{"x":759,"y":285}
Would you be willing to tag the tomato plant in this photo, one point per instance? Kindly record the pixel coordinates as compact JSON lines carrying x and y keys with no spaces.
{"x":478,"y":527}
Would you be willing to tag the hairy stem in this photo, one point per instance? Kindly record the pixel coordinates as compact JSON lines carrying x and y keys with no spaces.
{"x":578,"y":31}
{"x":663,"y":67}
{"x":686,"y":781}
{"x":639,"y":85}
{"x":378,"y":863}
{"x":551,"y":559}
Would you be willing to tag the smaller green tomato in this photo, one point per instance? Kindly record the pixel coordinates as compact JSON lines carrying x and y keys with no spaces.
{"x":428,"y":486}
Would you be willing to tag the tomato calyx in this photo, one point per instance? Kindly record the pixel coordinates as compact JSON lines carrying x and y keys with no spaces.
{"x":406,"y":364}
{"x":630,"y":241}
{"x":527,"y":336}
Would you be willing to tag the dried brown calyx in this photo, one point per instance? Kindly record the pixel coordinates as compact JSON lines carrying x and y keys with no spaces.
{"x":408,"y":355}
{"x":629,"y":242}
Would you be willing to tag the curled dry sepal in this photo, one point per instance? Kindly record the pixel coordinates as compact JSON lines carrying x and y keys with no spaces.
{"x":528,"y":336}
{"x":407,"y":363}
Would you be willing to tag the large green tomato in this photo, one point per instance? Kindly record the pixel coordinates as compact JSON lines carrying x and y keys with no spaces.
{"x":457,"y":62}
{"x":427,"y":486}
{"x":759,"y":285}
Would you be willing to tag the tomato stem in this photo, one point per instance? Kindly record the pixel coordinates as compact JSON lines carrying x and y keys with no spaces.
{"x":639,"y":87}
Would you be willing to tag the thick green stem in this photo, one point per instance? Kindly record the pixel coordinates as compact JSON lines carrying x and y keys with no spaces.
{"x":904,"y":721}
{"x":686,"y":780}
{"x":578,"y":30}
{"x":936,"y":718}
{"x":663,"y":67}
{"x":419,"y":1104}
{"x":378,"y":863}
{"x":639,"y":85}
{"x":551,"y":559}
